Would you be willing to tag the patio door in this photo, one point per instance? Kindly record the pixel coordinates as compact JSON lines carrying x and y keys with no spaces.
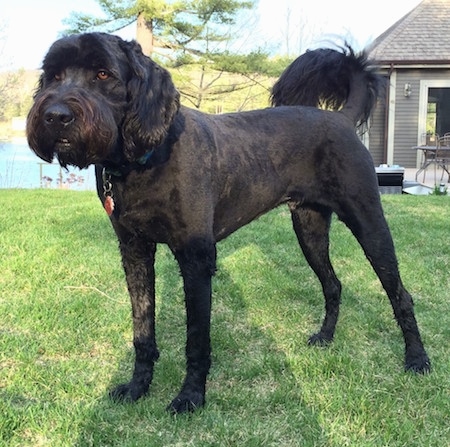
{"x":434,"y":110}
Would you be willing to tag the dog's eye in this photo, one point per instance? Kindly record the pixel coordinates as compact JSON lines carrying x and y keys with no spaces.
{"x":102,"y":75}
{"x":58,"y":76}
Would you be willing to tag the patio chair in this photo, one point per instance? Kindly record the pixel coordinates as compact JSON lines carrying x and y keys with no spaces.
{"x":429,"y":151}
{"x":443,"y":156}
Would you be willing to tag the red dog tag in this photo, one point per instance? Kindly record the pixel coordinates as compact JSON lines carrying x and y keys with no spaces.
{"x":109,"y":205}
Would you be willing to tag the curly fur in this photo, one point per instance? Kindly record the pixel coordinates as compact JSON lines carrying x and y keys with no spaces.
{"x":188,"y":179}
{"x":349,"y":85}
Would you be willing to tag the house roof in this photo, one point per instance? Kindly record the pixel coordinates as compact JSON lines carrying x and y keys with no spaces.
{"x":420,"y":37}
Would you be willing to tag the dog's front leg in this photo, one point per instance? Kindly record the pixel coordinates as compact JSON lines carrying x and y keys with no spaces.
{"x":138,"y":258}
{"x":197,"y":261}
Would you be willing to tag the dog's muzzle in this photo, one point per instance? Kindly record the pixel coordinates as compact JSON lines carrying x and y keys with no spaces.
{"x":58,"y":119}
{"x":73,"y":124}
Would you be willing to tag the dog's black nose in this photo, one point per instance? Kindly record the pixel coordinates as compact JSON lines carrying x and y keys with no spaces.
{"x":58,"y":115}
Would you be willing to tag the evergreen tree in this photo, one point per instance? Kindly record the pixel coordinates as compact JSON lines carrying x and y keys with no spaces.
{"x":190,"y":28}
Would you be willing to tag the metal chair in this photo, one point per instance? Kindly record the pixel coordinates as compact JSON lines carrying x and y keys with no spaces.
{"x":429,"y":150}
{"x":442,"y":158}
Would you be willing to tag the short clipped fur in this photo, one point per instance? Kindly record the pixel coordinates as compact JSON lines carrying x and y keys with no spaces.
{"x":188,"y":179}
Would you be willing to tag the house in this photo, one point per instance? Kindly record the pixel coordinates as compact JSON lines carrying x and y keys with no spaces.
{"x":414,"y":55}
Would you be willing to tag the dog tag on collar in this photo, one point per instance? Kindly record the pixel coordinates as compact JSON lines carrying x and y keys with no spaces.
{"x":108,"y":193}
{"x":109,"y":205}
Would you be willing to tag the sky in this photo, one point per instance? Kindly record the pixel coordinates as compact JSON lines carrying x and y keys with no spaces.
{"x":29,"y":27}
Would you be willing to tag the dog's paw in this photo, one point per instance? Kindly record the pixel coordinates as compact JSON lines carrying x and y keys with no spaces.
{"x":320,"y":339}
{"x":128,"y":392}
{"x":419,"y":363}
{"x":186,"y":402}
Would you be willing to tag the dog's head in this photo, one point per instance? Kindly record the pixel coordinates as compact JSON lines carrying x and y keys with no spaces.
{"x":99,"y":99}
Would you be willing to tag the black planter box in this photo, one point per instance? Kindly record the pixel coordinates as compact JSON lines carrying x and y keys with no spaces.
{"x":390,"y":179}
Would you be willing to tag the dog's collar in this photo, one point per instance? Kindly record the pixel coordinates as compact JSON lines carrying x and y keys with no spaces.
{"x":153,"y":157}
{"x":147,"y":161}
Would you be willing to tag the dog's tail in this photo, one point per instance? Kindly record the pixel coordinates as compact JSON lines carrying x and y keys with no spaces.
{"x":331,"y":79}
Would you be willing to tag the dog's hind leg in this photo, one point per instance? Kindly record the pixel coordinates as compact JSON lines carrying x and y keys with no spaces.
{"x":312,"y":226}
{"x":368,"y":224}
{"x":197,"y":261}
{"x":138,"y":258}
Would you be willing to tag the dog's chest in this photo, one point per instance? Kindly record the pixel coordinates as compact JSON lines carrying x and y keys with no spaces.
{"x":148,"y":209}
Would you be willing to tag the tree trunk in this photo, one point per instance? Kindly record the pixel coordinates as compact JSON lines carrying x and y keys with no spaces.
{"x":144,"y":34}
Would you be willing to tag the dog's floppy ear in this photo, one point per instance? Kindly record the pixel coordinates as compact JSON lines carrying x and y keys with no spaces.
{"x":39,"y":86}
{"x":153,"y":103}
{"x":32,"y":124}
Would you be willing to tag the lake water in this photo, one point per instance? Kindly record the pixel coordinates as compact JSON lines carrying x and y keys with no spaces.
{"x":21,"y":168}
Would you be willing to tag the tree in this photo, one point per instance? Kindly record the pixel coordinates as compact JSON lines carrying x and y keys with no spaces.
{"x":9,"y":83}
{"x":297,"y":33}
{"x":183,"y":26}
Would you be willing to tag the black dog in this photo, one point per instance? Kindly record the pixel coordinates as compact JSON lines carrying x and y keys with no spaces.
{"x":169,"y":174}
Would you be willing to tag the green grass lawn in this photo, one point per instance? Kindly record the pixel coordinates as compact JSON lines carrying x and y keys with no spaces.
{"x":65,"y":335}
